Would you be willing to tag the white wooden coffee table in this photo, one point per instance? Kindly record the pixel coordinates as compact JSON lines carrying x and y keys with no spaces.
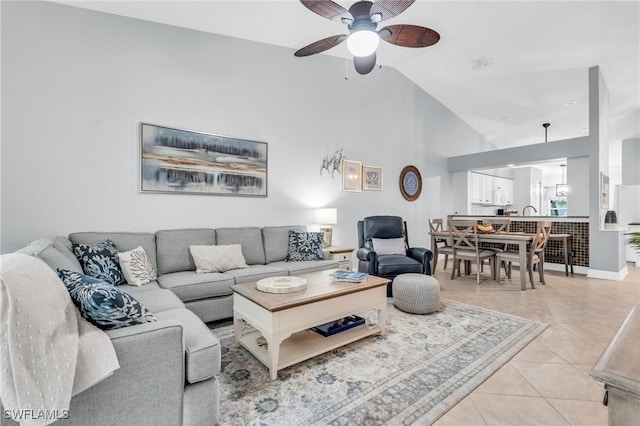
{"x":284,"y":320}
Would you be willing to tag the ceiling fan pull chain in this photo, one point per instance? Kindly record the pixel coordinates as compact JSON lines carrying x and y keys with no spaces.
{"x":346,"y":66}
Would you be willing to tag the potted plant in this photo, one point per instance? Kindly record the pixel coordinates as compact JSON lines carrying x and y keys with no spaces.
{"x":634,"y":240}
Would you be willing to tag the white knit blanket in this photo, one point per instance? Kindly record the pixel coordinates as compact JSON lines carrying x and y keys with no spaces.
{"x":47,"y":351}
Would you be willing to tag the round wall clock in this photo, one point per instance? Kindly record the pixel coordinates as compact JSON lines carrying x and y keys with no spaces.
{"x":410,"y":183}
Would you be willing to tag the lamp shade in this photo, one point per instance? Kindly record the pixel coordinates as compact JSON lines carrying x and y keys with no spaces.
{"x":363,"y":43}
{"x":326,"y":216}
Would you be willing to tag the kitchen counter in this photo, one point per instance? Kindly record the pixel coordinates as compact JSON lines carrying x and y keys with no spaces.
{"x":576,"y":226}
{"x":522,"y":218}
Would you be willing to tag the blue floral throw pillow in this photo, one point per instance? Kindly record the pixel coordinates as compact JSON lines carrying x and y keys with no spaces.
{"x":304,"y":246}
{"x":100,"y":261}
{"x":104,"y":305}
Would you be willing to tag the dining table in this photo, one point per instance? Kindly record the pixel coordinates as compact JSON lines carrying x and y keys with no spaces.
{"x":521,"y":239}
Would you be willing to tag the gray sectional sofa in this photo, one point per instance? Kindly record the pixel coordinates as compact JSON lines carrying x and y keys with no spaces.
{"x":169,"y":367}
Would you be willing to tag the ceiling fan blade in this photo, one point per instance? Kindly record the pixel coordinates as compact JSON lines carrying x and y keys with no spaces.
{"x":365,"y":64}
{"x":389,"y":8}
{"x":361,"y":8}
{"x":409,"y":35}
{"x":327,"y":9}
{"x":321,"y":45}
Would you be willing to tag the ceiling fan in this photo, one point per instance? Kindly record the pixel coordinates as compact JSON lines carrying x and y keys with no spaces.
{"x":362,"y":19}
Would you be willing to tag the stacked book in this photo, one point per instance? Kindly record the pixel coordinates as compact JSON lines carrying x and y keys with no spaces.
{"x":347,"y":276}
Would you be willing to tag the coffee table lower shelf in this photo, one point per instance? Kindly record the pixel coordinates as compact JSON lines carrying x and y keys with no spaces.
{"x":306,"y":344}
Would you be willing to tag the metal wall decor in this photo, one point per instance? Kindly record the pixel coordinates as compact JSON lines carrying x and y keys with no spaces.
{"x":410,"y":183}
{"x":332,"y":164}
{"x":187,"y":162}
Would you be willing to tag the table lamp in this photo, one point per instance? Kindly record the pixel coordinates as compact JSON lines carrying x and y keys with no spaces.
{"x":325,"y":218}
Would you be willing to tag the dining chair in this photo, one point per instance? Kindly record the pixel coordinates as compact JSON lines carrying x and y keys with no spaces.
{"x":534,"y":256}
{"x":498,"y":225}
{"x":464,"y":238}
{"x":437,"y":225}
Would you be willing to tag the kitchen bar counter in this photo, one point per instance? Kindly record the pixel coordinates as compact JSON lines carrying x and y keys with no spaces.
{"x":518,"y":218}
{"x":576,"y":226}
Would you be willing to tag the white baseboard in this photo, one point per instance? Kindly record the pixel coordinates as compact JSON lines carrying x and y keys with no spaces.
{"x":582,"y":270}
{"x":608,"y":275}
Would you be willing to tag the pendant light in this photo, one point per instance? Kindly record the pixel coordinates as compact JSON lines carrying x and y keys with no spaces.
{"x":562,"y":189}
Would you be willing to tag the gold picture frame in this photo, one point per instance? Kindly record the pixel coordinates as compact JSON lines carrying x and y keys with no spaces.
{"x":372,"y":178}
{"x":351,"y":176}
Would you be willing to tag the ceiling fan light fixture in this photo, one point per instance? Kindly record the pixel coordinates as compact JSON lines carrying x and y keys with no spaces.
{"x":363,"y":43}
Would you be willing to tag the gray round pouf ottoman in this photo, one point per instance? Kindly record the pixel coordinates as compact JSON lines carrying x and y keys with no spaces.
{"x":416,"y":293}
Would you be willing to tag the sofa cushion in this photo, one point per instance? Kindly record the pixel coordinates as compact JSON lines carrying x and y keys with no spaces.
{"x":155,"y":301}
{"x":45,"y":249}
{"x":103,"y":304}
{"x":173,"y":248}
{"x":64,"y":246}
{"x":255,"y":273}
{"x":217,"y":258}
{"x":189,"y":285}
{"x":304,"y":267}
{"x":100,"y":261}
{"x":276,"y":241}
{"x":392,"y":264}
{"x":249,"y":238}
{"x":304,"y":246}
{"x":136,"y":267}
{"x":124,"y":241}
{"x":202,"y":348}
{"x":134,"y":290}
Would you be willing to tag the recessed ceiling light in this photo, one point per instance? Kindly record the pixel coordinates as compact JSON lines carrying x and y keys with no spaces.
{"x":586,"y":130}
{"x":510,"y":165}
{"x":569,"y":103}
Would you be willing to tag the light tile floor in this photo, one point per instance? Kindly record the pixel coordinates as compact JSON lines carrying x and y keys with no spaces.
{"x":548,"y":382}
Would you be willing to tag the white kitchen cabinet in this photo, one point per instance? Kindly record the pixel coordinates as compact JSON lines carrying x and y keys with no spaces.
{"x":481,"y":188}
{"x":491,"y":190}
{"x":508,"y":191}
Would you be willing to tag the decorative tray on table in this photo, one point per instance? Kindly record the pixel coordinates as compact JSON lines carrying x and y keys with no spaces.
{"x":335,"y":327}
{"x":281,"y":284}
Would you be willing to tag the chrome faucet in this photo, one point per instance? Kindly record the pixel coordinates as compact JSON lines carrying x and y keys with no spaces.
{"x":534,"y":210}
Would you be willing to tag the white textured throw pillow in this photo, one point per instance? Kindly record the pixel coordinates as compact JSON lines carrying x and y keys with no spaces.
{"x":389,"y":246}
{"x":218,"y":258}
{"x":136,"y":267}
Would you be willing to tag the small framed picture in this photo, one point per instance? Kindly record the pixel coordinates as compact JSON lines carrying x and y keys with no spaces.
{"x":371,"y":178}
{"x":604,"y":191}
{"x":351,"y":176}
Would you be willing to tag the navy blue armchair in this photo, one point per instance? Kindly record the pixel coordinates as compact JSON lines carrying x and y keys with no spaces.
{"x":382,"y":229}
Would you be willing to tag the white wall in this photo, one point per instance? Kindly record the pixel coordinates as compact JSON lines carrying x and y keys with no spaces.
{"x":630,"y":161}
{"x":578,"y":197}
{"x":77,"y":83}
{"x":522,"y":179}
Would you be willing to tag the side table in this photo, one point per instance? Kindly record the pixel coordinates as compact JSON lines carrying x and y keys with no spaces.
{"x":343,"y":256}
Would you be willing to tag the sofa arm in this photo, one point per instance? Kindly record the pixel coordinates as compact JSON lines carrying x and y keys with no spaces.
{"x":423,"y":256}
{"x":148,"y":387}
{"x":151,"y":358}
{"x":371,"y":257}
{"x":366,"y":254}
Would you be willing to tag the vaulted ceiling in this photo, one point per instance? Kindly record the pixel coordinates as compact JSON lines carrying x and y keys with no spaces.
{"x":505,"y":67}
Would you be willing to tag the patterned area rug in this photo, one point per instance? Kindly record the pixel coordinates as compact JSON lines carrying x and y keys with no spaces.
{"x":418,"y":370}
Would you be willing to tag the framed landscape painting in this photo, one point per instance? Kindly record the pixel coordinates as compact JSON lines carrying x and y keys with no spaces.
{"x":372,"y":178}
{"x":186,"y":162}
